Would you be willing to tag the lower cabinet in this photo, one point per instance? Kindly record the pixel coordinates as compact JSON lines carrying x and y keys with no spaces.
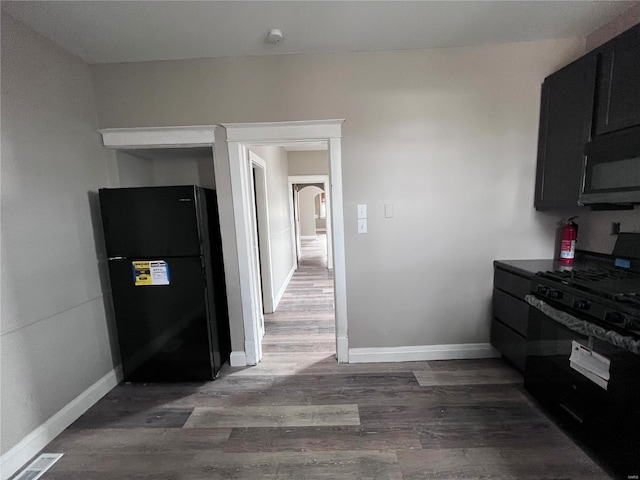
{"x":509,"y":343}
{"x":510,"y":315}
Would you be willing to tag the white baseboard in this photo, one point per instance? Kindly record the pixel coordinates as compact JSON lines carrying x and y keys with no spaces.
{"x":422,"y":352}
{"x":283,"y":288}
{"x":238,"y":359}
{"x":18,"y":456}
{"x":308,"y":237}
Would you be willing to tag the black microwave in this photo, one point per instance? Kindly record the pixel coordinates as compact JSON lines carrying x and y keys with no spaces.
{"x":611,"y":173}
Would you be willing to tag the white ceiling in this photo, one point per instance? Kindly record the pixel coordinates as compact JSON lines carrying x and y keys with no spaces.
{"x":130,"y":31}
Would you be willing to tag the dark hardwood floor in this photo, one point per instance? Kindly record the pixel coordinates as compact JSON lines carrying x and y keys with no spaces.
{"x":300,"y":415}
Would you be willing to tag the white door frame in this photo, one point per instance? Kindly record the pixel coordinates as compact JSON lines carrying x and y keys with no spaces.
{"x":239,"y":137}
{"x":306,"y":180}
{"x":264,"y":232}
{"x":295,"y":212}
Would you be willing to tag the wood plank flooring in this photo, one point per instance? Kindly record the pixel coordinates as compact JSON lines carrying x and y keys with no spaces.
{"x":300,"y":415}
{"x":304,"y":320}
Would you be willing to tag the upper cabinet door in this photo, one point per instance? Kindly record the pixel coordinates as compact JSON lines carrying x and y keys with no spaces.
{"x":565,"y":123}
{"x":618,"y":83}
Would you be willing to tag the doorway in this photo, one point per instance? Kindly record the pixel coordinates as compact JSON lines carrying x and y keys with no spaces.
{"x":239,"y":138}
{"x":262,"y":236}
{"x":322,"y":182}
{"x":232,"y":170}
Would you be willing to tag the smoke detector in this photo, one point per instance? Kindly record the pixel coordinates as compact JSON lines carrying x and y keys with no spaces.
{"x":275,"y":36}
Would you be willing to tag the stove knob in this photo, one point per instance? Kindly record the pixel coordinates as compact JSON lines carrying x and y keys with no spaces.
{"x":582,"y":304}
{"x":614,"y":317}
{"x":555,"y":294}
{"x":542,"y":290}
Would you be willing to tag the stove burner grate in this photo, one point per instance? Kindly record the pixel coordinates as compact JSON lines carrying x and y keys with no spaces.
{"x":622,"y":286}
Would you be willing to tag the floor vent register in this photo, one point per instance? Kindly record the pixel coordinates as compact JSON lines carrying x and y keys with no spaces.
{"x":40,"y":465}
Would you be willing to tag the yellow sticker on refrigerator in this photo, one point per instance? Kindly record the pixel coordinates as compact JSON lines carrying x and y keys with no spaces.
{"x":150,"y":272}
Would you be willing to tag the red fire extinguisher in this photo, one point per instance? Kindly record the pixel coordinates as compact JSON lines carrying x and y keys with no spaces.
{"x":568,"y":244}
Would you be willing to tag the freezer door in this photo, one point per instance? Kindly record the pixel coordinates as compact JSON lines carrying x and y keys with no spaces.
{"x":151,"y":221}
{"x":163,"y":330}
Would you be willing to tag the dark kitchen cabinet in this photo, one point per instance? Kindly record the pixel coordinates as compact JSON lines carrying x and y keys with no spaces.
{"x":618,"y":83}
{"x":510,"y":315}
{"x":566,"y":113}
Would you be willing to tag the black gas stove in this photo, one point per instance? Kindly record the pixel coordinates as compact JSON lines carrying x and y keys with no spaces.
{"x":607,"y":296}
{"x":583,"y":351}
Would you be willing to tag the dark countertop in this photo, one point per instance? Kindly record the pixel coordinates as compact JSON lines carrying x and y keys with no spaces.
{"x":527,"y":268}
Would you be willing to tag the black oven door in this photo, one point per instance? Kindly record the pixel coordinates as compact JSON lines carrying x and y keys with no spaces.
{"x":606,"y":412}
{"x":612,"y":169}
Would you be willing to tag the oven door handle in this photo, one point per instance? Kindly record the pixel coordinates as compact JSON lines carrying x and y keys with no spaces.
{"x":584,"y":327}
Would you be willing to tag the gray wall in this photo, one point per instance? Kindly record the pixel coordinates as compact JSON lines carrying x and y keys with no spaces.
{"x":134,"y":171}
{"x":55,"y":338}
{"x":140,"y":168}
{"x":594,"y":231}
{"x":206,"y":175}
{"x":450,"y":142}
{"x":279,"y":215}
{"x":177,"y":172}
{"x":315,"y":162}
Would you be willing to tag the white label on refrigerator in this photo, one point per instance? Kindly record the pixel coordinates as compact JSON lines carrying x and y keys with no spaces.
{"x":150,"y":272}
{"x":590,"y":364}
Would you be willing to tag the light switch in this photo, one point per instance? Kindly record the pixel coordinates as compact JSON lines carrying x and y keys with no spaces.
{"x":362,"y":225}
{"x":388,"y":210}
{"x":362,"y":210}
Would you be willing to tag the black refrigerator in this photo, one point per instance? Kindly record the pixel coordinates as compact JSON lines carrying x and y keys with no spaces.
{"x":167,"y":281}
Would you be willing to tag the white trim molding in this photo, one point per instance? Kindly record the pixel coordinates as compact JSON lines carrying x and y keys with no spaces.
{"x":158,"y":137}
{"x":241,"y":136}
{"x":18,"y":456}
{"x":238,"y":359}
{"x":339,"y":253}
{"x":249,"y":277}
{"x":283,"y":132}
{"x":422,"y":352}
{"x":263,"y":244}
{"x":285,"y":284}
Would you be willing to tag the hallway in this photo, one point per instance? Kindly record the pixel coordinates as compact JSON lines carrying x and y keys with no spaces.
{"x":304,"y":320}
